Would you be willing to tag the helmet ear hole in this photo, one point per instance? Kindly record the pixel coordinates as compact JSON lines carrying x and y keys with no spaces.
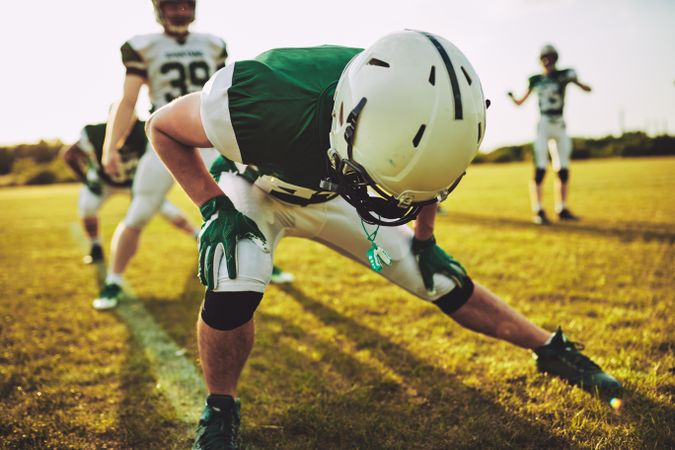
{"x":480,"y":131}
{"x":342,"y":114}
{"x":418,"y":136}
{"x":468,"y":78}
{"x":432,"y":76}
{"x":377,"y":62}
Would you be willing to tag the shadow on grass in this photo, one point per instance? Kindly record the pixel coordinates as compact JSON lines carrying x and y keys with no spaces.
{"x":420,"y":406}
{"x":178,"y":315}
{"x":653,"y":421}
{"x":146,"y":420}
{"x":627,"y":231}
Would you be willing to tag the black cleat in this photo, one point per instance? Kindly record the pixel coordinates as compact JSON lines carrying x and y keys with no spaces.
{"x":95,"y":255}
{"x":540,"y":218}
{"x":218,"y":427}
{"x":566,"y":214}
{"x":562,"y":358}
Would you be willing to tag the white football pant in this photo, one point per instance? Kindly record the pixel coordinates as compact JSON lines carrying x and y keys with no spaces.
{"x":152,"y":183}
{"x":335,"y":224}
{"x":552,"y":128}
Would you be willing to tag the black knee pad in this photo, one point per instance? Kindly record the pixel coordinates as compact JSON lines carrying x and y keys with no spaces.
{"x":456,"y":298}
{"x":229,"y":310}
{"x":564,"y":175}
{"x":539,"y":175}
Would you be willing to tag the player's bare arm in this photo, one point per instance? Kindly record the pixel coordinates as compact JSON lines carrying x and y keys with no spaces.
{"x":519,"y":101}
{"x":583,"y":86}
{"x":119,"y":122}
{"x":174,"y":131}
{"x":74,"y":156}
{"x":424,"y":225}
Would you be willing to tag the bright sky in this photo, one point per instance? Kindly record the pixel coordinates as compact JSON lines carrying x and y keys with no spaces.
{"x":62,"y":63}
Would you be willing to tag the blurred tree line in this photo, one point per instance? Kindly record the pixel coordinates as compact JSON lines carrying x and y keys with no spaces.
{"x":40,"y":163}
{"x":30,"y":164}
{"x":635,"y":143}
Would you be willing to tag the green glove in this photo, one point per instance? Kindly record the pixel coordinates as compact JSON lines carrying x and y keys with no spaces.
{"x":93,"y":182}
{"x":432,"y":259}
{"x":223,"y":227}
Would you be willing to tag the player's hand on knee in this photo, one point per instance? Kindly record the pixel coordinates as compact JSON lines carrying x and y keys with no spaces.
{"x":432,"y":259}
{"x":223,"y":227}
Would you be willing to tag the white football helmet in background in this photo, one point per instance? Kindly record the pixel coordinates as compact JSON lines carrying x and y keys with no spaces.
{"x":408,"y":118}
{"x":174,"y":25}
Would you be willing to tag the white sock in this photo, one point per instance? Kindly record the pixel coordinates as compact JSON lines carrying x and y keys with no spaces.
{"x":95,"y":241}
{"x":560,"y":206}
{"x":537,"y":207}
{"x":114,"y":278}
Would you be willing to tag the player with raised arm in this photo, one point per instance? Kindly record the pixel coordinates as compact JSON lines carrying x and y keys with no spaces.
{"x":84,"y":158}
{"x":326,"y":143}
{"x":172,"y":63}
{"x":550,"y":88}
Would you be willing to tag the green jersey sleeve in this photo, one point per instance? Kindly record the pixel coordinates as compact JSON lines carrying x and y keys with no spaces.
{"x":133,"y":61}
{"x":533,"y":81}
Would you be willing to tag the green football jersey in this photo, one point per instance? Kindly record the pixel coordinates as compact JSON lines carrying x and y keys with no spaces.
{"x":91,"y":141}
{"x":551,"y":90}
{"x":280,"y":105}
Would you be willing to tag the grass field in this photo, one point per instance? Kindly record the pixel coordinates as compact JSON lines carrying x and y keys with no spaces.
{"x":343,"y":360}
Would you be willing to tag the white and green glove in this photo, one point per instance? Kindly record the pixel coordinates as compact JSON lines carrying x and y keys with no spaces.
{"x":93,"y":182}
{"x":432,"y":259}
{"x":223,"y":227}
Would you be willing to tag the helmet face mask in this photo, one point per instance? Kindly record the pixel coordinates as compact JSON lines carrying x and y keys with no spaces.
{"x":413,"y":123}
{"x":171,"y":15}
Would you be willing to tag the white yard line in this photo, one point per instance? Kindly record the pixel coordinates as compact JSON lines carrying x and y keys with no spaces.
{"x":177,"y":377}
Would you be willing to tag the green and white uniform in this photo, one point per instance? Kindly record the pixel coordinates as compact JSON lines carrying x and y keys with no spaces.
{"x":91,"y":143}
{"x":274,"y":113}
{"x":171,"y":68}
{"x":550,"y":90}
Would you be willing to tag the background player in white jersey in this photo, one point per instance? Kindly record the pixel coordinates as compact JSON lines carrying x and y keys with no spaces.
{"x":327,"y":143}
{"x":550,"y":87}
{"x":172,"y":63}
{"x":84,"y":158}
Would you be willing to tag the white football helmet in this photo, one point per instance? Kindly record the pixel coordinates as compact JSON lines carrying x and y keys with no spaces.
{"x":174,"y":26}
{"x":408,"y":118}
{"x":549,"y":50}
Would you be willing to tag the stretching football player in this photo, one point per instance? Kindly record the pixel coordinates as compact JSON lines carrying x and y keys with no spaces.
{"x":327,"y":142}
{"x":550,"y":87}
{"x":172,"y":63}
{"x":84,"y":158}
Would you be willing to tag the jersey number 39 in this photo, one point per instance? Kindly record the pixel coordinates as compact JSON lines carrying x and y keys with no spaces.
{"x":194,"y":76}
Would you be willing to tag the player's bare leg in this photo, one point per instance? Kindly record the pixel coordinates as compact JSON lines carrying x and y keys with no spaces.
{"x":562,"y":192}
{"x":95,"y":255}
{"x":123,"y":247}
{"x":536,"y":198}
{"x":90,"y":225}
{"x":183,"y":224}
{"x":486,"y":313}
{"x":223,"y":355}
